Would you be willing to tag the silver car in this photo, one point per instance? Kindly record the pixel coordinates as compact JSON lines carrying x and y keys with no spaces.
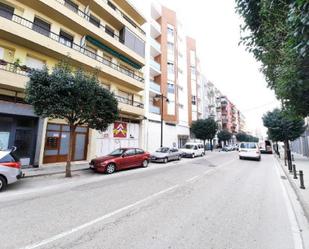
{"x":165,"y":154}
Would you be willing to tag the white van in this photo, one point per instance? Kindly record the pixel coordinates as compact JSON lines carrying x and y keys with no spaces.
{"x":192,"y":150}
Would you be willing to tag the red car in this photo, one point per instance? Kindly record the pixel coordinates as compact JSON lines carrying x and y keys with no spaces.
{"x":122,"y":158}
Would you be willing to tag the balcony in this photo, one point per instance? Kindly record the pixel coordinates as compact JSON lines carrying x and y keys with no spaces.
{"x":155,"y":47}
{"x":155,"y":28}
{"x":225,"y":120}
{"x":17,"y":77}
{"x":154,"y":109}
{"x":155,"y":68}
{"x":155,"y":86}
{"x":75,"y":50}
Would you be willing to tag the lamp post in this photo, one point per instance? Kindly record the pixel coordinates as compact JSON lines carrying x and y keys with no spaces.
{"x":161,"y":97}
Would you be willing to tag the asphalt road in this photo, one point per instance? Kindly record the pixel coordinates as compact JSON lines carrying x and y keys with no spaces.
{"x":217,"y":202}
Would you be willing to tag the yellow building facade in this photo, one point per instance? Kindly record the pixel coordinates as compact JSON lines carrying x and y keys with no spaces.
{"x":97,"y":35}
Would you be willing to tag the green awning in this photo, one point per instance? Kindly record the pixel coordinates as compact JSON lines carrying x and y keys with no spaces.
{"x":112,"y":51}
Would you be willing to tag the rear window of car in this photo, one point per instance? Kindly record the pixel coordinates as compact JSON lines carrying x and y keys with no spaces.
{"x":248,"y":146}
{"x":8,"y":158}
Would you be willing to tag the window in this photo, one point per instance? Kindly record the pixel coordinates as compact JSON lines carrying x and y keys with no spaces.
{"x":139,"y":151}
{"x":130,"y":152}
{"x":170,"y":88}
{"x":95,"y":21}
{"x":170,"y":67}
{"x":170,"y":30}
{"x":65,"y":38}
{"x":109,"y":31}
{"x":170,"y":47}
{"x":193,"y":100}
{"x":125,"y":97}
{"x":1,"y":53}
{"x":71,"y":5}
{"x":41,"y":26}
{"x":6,"y":11}
{"x":34,"y":63}
{"x":110,"y":4}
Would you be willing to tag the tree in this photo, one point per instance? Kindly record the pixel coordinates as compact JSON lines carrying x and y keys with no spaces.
{"x":241,"y":137}
{"x":224,"y":135}
{"x":204,"y":129}
{"x":74,"y":96}
{"x":283,"y":127}
{"x":277,"y":33}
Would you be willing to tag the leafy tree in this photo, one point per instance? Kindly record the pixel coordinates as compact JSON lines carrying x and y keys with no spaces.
{"x":224,"y":135}
{"x":204,"y":129}
{"x":277,"y":33}
{"x":243,"y":137}
{"x":74,"y":96}
{"x":283,"y":127}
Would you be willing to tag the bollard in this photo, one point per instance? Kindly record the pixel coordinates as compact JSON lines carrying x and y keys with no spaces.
{"x":294,"y":171}
{"x":293,"y":157}
{"x":301,"y":179}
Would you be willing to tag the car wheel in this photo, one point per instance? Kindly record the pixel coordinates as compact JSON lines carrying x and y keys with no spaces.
{"x":193,"y":155}
{"x":110,"y":168}
{"x":179,"y":158}
{"x":259,"y":159}
{"x":145,"y":163}
{"x":165,"y":160}
{"x":3,"y":183}
{"x":240,"y":157}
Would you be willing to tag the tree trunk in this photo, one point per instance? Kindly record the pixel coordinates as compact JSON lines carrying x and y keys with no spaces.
{"x":70,"y":154}
{"x":204,"y":142}
{"x":211,"y":146}
{"x":288,"y":153}
{"x":285,"y":152}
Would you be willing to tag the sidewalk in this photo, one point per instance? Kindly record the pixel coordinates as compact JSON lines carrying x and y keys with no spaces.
{"x":55,"y":168}
{"x":302,"y":163}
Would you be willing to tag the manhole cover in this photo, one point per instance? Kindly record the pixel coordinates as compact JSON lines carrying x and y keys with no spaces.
{"x":283,"y":177}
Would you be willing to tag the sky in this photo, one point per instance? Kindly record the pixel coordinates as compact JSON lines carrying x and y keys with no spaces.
{"x":216,"y":28}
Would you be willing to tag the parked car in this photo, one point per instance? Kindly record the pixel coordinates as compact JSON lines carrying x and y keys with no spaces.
{"x":265,"y":147}
{"x":249,"y":150}
{"x":228,"y":148}
{"x":192,"y":150}
{"x":122,"y":158}
{"x":10,"y":168}
{"x":165,"y":154}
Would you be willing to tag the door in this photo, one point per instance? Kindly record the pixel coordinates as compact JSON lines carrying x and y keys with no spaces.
{"x":140,"y":155}
{"x":128,"y":160}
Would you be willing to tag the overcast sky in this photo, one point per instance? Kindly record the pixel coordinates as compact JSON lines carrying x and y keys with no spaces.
{"x":216,"y":28}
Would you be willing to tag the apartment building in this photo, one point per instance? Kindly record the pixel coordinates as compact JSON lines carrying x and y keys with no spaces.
{"x":96,"y":35}
{"x":166,"y":80}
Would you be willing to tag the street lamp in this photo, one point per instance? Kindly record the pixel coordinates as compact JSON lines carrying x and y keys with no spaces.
{"x":161,"y":97}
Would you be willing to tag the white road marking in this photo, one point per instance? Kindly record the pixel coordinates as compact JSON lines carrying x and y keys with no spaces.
{"x":97,"y":220}
{"x":297,"y":238}
{"x":192,"y":178}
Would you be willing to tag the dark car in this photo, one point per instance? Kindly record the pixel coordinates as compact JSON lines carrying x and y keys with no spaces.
{"x":122,"y":158}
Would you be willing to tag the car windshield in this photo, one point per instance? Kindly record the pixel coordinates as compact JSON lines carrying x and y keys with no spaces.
{"x":163,"y":150}
{"x":248,"y":146}
{"x":117,"y":152}
{"x":189,"y":146}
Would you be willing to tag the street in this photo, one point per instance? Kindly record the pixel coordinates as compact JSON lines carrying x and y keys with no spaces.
{"x":215,"y":202}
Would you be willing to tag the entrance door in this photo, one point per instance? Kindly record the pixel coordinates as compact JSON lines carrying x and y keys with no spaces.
{"x":58,"y":140}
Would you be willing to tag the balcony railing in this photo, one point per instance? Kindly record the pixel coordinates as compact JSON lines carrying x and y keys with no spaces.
{"x":128,"y":101}
{"x":55,"y":37}
{"x":154,"y":86}
{"x":14,"y":68}
{"x":155,"y":65}
{"x":24,"y":70}
{"x":155,"y":44}
{"x":154,"y":109}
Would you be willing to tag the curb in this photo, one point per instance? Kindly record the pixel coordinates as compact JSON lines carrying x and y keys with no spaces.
{"x":296,"y":190}
{"x":54,"y":173}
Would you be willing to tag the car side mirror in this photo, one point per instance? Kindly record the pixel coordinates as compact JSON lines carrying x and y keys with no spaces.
{"x":124,"y":155}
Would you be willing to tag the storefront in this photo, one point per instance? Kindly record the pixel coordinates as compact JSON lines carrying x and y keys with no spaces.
{"x":19,"y":131}
{"x":124,"y":133}
{"x":57,"y":143}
